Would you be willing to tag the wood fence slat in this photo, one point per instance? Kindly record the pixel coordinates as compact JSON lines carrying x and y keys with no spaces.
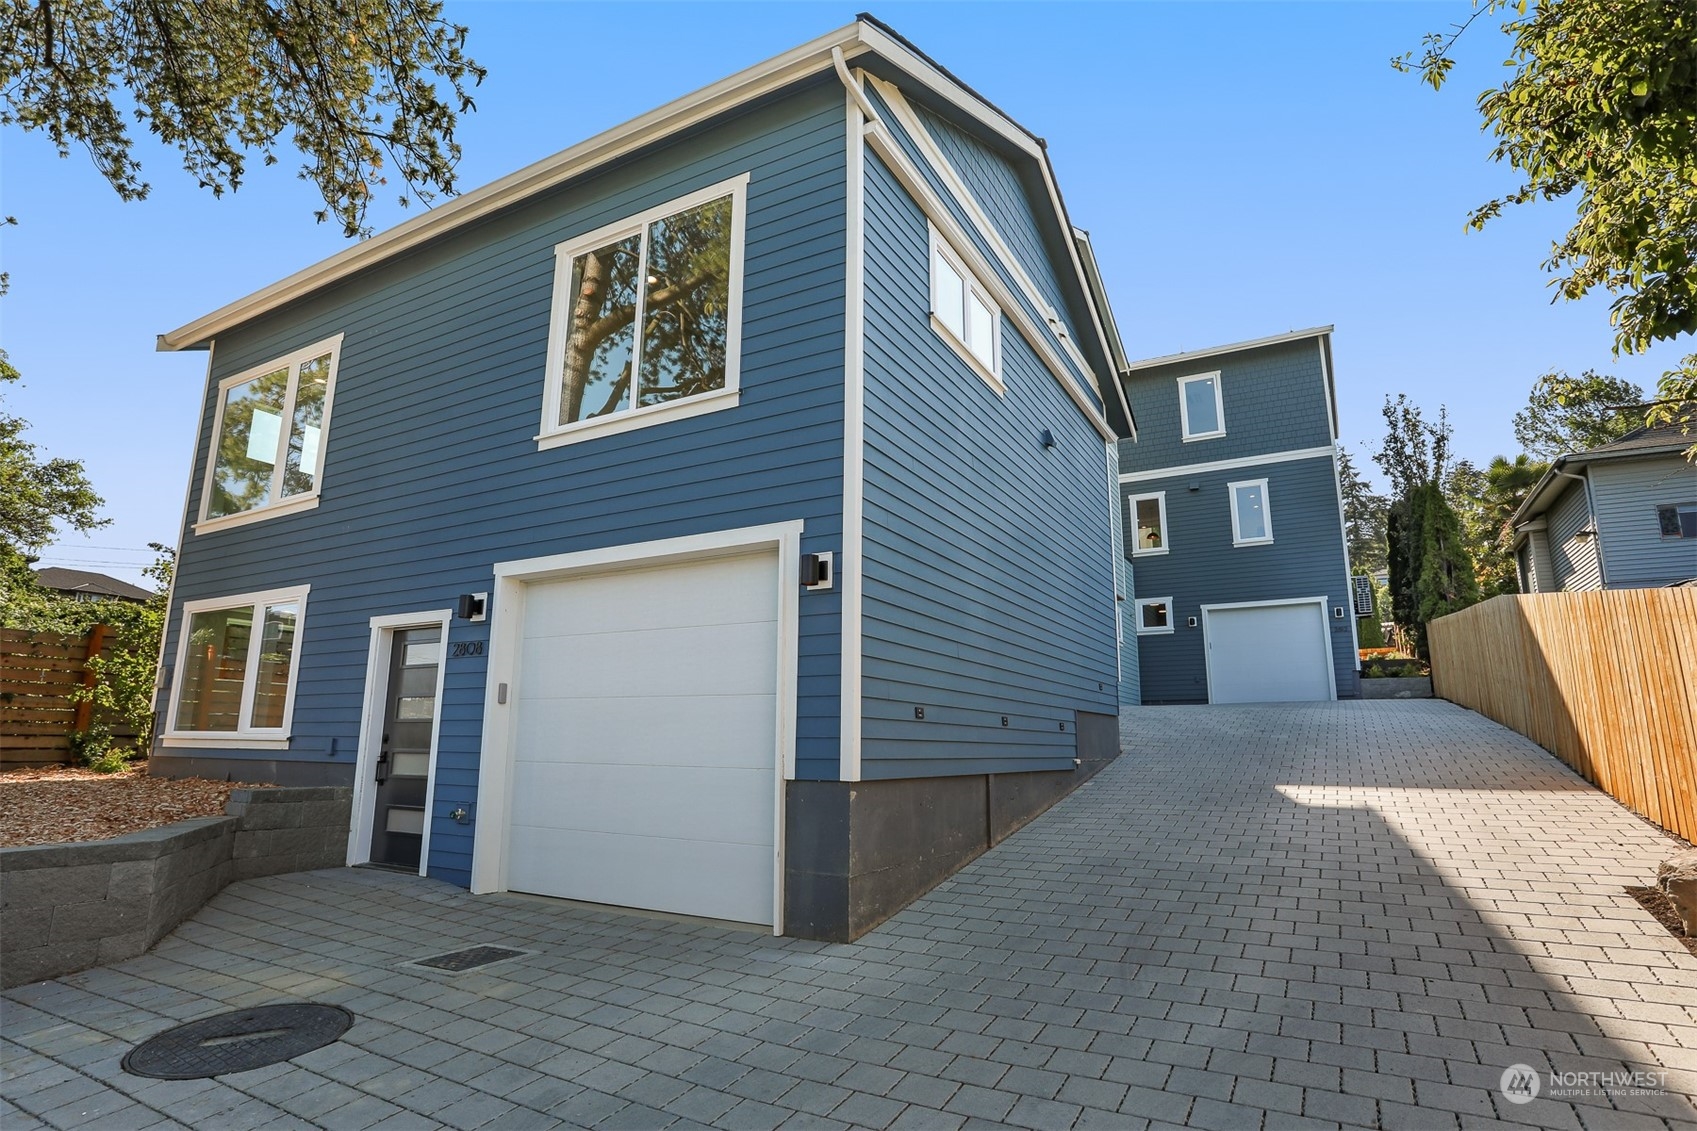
{"x":1605,"y":680}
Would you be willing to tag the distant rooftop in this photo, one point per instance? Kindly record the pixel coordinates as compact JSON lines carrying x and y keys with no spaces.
{"x":85,"y":583}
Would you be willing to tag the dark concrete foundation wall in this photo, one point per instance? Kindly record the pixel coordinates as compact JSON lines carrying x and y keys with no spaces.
{"x":858,"y":852}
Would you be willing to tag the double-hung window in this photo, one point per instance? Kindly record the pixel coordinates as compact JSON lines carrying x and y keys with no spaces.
{"x":1202,"y":412}
{"x":236,"y":668}
{"x":1154,"y":615}
{"x":1148,"y":524}
{"x":647,"y":318}
{"x":268,"y":439}
{"x":1252,"y":522}
{"x":963,"y":313}
{"x":1677,"y":520}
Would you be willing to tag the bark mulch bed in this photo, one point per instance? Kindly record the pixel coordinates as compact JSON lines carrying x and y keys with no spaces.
{"x":1658,"y":904}
{"x":60,"y":804}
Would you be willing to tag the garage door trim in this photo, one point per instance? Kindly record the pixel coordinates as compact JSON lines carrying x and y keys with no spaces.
{"x":506,"y":629}
{"x":1325,"y":634}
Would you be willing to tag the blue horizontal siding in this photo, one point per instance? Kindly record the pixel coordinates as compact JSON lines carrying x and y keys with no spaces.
{"x":987,"y":560}
{"x":1627,"y":493}
{"x":1274,"y":399}
{"x":432,"y":473}
{"x":1202,"y":566}
{"x":1574,"y":558}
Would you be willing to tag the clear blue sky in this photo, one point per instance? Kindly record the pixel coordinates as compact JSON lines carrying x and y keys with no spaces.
{"x":1244,"y":169}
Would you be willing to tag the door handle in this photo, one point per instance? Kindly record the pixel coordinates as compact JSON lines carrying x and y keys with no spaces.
{"x":382,"y":767}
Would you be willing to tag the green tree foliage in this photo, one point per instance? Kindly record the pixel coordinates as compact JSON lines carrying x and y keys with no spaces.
{"x":360,"y":87}
{"x":123,"y":689}
{"x":1602,"y":103}
{"x":1570,"y":414}
{"x":1363,"y":517}
{"x":37,"y":497}
{"x":1431,"y":568}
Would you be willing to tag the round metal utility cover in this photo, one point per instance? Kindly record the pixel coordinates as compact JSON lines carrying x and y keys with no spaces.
{"x":237,"y":1042}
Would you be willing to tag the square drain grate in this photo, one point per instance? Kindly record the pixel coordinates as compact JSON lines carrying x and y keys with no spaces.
{"x":471,"y":958}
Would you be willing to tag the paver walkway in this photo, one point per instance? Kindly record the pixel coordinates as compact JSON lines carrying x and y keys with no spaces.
{"x":1307,"y":916}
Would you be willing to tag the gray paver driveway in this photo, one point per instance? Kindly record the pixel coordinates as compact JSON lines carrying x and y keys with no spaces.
{"x":1353,"y":914}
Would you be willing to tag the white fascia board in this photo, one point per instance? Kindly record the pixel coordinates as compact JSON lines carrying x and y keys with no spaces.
{"x":1234,"y":347}
{"x":716,"y":98}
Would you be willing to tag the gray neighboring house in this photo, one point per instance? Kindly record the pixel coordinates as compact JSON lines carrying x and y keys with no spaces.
{"x":86,"y":585}
{"x":1620,"y":516}
{"x":1234,"y":526}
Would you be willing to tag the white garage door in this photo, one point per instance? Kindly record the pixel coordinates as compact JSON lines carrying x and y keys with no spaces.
{"x":1269,"y":654}
{"x":645,"y":744}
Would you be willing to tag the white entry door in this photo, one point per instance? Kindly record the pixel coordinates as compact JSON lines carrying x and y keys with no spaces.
{"x":645,"y":770}
{"x":1276,"y":653}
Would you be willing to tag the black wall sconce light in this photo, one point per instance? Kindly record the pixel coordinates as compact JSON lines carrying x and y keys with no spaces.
{"x":473,"y":606}
{"x":1046,"y":438}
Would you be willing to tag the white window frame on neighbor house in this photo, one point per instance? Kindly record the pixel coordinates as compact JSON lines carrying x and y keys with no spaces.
{"x":1184,"y":407}
{"x":245,"y":736}
{"x":1266,"y":513}
{"x":1160,"y":498}
{"x":553,"y":434}
{"x":276,"y":503}
{"x":1678,"y":510}
{"x":987,"y":368}
{"x":1162,"y":631}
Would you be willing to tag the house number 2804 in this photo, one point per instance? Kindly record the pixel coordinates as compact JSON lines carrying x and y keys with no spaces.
{"x":466,"y":648}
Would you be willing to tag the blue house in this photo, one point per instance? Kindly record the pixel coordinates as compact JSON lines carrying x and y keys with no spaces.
{"x":711,"y":517}
{"x":1234,"y":526}
{"x":1619,"y":516}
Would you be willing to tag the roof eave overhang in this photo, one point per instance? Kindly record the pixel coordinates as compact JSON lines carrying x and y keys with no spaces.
{"x":1233,"y":347}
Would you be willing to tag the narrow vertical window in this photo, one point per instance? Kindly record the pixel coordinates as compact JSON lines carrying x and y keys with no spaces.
{"x":1252,"y":523}
{"x":1149,"y":524}
{"x":1201,"y":410}
{"x":963,"y":313}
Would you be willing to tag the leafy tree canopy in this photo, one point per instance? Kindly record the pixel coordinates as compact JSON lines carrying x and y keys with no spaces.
{"x":358,"y":86}
{"x":1570,"y":414}
{"x":37,"y":495}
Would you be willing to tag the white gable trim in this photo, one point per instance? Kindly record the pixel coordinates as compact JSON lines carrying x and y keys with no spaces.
{"x":1225,"y":464}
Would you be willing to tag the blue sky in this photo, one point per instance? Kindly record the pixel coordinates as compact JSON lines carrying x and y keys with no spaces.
{"x":1244,"y":169}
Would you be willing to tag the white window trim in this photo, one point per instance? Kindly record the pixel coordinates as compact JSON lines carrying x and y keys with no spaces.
{"x":1138,"y":616}
{"x":553,"y":434}
{"x":1676,"y":508}
{"x":306,"y":500}
{"x":1266,"y":512}
{"x":251,"y":738}
{"x":970,"y":285}
{"x":1184,"y":407}
{"x":1160,"y":498}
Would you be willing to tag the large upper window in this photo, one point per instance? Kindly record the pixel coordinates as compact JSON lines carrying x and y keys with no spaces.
{"x":268,"y":437}
{"x":1201,"y":411}
{"x":1677,"y":520}
{"x":1252,"y":524}
{"x":1149,"y":524}
{"x":235,"y":675}
{"x":963,"y":313}
{"x":646,"y":318}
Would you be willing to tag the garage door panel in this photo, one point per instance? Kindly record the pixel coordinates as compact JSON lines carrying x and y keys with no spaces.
{"x":1269,"y":654}
{"x":645,"y":738}
{"x":650,"y":661}
{"x":720,"y":881}
{"x":684,"y":595}
{"x":701,"y":730}
{"x":679,"y":802}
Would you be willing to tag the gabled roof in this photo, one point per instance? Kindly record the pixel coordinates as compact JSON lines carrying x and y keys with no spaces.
{"x":1640,"y":443}
{"x":865,"y":37}
{"x":1322,"y":333}
{"x":86,"y":581}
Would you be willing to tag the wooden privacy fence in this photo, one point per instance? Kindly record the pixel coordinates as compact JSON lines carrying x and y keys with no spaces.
{"x":37,"y":673}
{"x":1605,"y":680}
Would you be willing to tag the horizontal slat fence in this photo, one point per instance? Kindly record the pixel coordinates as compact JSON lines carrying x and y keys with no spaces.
{"x":37,"y":673}
{"x":1606,"y":680}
